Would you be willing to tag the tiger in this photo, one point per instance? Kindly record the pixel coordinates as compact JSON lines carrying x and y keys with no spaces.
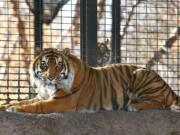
{"x":103,"y":53}
{"x":64,"y":83}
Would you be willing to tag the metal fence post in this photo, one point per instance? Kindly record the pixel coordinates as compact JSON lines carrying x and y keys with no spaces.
{"x":88,"y":31}
{"x":38,"y":26}
{"x":116,"y":54}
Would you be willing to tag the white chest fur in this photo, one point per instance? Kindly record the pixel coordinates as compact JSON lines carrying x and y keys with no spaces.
{"x":66,"y":84}
{"x":46,"y":91}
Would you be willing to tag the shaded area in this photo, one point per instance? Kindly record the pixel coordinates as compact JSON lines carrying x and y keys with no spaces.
{"x":152,"y":122}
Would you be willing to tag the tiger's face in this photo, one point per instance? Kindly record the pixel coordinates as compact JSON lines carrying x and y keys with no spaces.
{"x":51,"y":67}
{"x":51,"y":72}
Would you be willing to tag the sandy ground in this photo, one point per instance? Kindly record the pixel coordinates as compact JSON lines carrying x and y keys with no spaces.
{"x":151,"y":122}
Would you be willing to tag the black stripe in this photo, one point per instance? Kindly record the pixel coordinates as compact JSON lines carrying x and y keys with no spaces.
{"x":50,"y":55}
{"x":128,"y":72}
{"x":177,"y":100}
{"x":124,"y":84}
{"x":115,"y":73}
{"x":151,"y":91}
{"x":143,"y":77}
{"x":167,"y":98}
{"x":101,"y":85}
{"x":35,"y":63}
{"x":145,"y":83}
{"x":66,"y":66}
{"x":100,"y":98}
{"x":105,"y":80}
{"x":91,"y":99}
{"x":67,"y":95}
{"x":149,"y":81}
{"x":114,"y":99}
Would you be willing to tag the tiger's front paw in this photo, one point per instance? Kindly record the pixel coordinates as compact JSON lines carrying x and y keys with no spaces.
{"x":11,"y":109}
{"x":17,"y":109}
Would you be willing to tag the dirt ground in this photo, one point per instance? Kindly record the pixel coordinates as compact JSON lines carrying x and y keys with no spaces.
{"x":151,"y":122}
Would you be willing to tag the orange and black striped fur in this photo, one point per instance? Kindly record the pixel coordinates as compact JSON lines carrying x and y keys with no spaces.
{"x":65,"y":84}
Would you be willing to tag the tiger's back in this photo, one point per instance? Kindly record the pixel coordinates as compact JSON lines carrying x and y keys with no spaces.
{"x":122,"y":86}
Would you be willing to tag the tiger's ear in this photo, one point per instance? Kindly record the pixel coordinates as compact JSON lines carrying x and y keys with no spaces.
{"x":107,"y":41}
{"x":66,"y":51}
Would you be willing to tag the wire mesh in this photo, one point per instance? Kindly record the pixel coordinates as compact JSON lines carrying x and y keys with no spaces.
{"x":17,"y":40}
{"x":150,"y":34}
{"x":149,"y":37}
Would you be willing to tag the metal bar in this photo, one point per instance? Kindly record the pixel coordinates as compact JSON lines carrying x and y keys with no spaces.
{"x":82,"y":29}
{"x":89,"y":31}
{"x":116,"y":54}
{"x":38,"y":26}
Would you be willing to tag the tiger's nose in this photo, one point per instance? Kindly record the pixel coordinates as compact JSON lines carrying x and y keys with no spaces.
{"x":50,"y":77}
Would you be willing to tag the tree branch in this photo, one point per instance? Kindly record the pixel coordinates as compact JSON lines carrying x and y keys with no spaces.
{"x":22,"y":34}
{"x":129,"y":19}
{"x":101,"y":8}
{"x":171,"y":68}
{"x":76,"y":25}
{"x":163,"y":50}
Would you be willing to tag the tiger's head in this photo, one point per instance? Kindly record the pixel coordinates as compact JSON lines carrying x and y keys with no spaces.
{"x":51,"y":66}
{"x":50,"y":71}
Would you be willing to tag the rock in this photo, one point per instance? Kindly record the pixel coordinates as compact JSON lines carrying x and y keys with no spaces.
{"x":150,"y":122}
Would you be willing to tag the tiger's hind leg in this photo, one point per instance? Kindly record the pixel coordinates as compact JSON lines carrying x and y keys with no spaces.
{"x":144,"y":106}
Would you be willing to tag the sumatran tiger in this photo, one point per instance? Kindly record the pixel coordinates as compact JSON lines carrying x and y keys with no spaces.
{"x":64,"y":83}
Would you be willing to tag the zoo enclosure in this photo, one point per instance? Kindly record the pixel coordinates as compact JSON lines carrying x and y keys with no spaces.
{"x":140,"y":32}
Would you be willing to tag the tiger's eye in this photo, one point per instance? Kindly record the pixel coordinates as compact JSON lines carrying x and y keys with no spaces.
{"x":60,"y":64}
{"x":39,"y":73}
{"x":43,"y":65}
